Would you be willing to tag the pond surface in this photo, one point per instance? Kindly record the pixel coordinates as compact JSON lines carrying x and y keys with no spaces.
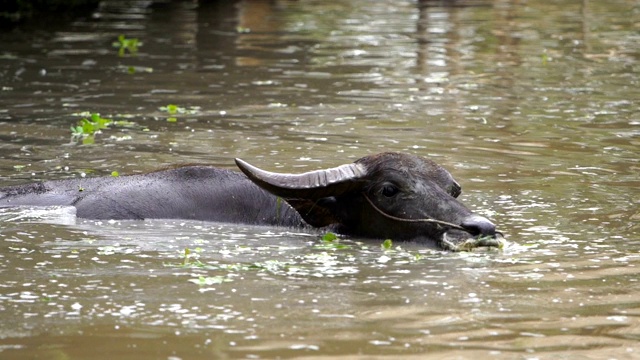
{"x":533,"y":106}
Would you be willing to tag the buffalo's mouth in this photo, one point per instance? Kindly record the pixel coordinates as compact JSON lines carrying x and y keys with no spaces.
{"x":460,"y":240}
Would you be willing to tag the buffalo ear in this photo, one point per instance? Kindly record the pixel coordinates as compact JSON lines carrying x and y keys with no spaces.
{"x":315,"y":213}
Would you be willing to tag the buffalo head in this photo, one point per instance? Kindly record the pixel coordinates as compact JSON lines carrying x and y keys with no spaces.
{"x":389,"y":195}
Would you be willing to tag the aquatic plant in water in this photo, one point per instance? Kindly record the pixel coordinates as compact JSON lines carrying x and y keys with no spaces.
{"x":485,"y":243}
{"x":330,"y":241}
{"x":329,"y":256}
{"x":87,"y":127}
{"x":93,"y":123}
{"x":126,"y":45}
{"x":174,"y":110}
{"x":131,"y":69}
{"x":209,"y":280}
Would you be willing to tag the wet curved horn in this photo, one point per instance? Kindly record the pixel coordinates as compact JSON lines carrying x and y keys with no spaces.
{"x":310,"y":185}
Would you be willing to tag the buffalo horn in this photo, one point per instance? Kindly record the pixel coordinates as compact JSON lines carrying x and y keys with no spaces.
{"x":310,"y":185}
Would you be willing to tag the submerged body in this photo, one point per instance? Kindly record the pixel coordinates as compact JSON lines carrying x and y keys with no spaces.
{"x":389,"y":195}
{"x":190,"y":192}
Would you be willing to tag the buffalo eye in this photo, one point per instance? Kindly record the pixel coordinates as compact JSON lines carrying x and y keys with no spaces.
{"x":389,"y":190}
{"x":455,"y":189}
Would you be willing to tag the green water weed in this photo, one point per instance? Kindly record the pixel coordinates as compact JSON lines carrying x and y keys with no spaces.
{"x":210,"y":280}
{"x":92,"y":124}
{"x":127,"y":45}
{"x":175,"y":110}
{"x":330,"y":241}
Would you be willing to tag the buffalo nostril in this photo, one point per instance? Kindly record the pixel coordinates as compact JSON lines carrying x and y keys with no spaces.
{"x":478,"y":225}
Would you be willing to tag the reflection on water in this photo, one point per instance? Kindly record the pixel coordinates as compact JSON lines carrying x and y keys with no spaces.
{"x":531,"y":106}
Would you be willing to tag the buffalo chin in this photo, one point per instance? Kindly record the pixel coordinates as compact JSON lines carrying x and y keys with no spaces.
{"x":458,"y":240}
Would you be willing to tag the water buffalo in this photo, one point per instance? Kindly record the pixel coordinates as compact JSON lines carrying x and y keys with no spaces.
{"x":388,"y":195}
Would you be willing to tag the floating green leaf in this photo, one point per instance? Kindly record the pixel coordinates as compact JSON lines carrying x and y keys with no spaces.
{"x":210,"y":280}
{"x":127,"y":45}
{"x":330,"y":241}
{"x":132,"y":69}
{"x":329,"y":237}
{"x":545,"y":58}
{"x":93,"y":123}
{"x":90,"y":125}
{"x":172,"y":109}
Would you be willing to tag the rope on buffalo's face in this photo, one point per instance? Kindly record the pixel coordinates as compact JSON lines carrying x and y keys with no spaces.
{"x":424,"y":220}
{"x":468,"y":245}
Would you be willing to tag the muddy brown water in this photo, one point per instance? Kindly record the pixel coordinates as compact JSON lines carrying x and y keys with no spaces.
{"x":533,"y":106}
